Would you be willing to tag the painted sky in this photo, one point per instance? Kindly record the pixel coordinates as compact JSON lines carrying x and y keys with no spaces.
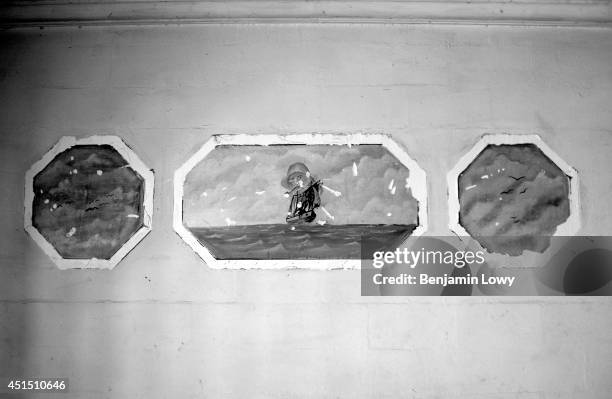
{"x":513,"y":190}
{"x":241,"y":185}
{"x":88,"y":202}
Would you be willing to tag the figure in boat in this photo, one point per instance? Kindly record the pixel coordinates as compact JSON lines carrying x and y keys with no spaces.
{"x":305,"y":193}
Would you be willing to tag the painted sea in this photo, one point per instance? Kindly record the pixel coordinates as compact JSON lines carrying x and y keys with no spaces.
{"x":283,"y":241}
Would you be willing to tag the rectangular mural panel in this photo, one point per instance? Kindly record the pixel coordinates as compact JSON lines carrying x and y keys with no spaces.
{"x":297,"y":201}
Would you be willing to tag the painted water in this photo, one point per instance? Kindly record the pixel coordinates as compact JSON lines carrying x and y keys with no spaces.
{"x":284,"y":241}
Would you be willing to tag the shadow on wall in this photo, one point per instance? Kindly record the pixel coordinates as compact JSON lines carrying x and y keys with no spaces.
{"x":582,"y":267}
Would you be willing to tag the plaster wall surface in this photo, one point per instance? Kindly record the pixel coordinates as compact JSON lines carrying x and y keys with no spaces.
{"x":163,"y":325}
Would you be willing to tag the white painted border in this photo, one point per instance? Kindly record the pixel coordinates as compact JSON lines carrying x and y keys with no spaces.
{"x":417,"y":183}
{"x":135,"y":163}
{"x":568,"y":228}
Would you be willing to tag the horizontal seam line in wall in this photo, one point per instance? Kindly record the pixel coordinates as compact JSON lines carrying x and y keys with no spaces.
{"x":305,"y":21}
{"x":421,"y":300}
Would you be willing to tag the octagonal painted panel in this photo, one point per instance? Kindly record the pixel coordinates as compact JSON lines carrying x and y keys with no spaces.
{"x":512,"y":193}
{"x":88,"y":202}
{"x":270,"y":201}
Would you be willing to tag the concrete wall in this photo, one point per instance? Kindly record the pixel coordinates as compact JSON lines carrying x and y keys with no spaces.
{"x":163,"y":325}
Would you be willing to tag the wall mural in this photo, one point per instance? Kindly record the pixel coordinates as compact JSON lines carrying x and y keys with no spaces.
{"x":293,"y":201}
{"x":273,"y":201}
{"x":512,"y":193}
{"x":87,"y":201}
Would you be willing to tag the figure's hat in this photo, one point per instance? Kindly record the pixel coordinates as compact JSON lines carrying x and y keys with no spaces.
{"x":294,"y":169}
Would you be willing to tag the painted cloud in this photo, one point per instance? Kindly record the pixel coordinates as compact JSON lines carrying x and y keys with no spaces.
{"x":512,"y":198}
{"x":88,"y":202}
{"x":241,"y":185}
